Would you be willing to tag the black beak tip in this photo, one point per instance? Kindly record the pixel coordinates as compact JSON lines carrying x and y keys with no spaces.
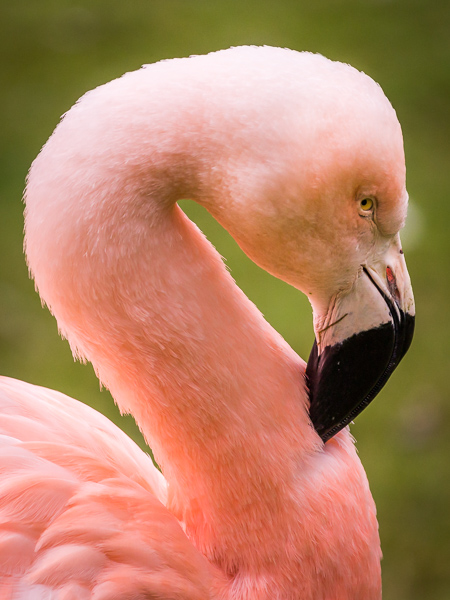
{"x":345,"y":378}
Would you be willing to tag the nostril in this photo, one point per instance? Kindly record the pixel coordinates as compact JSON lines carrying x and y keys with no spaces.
{"x":392,"y":283}
{"x":390,"y":276}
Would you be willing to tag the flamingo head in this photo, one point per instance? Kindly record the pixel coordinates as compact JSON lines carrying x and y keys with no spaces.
{"x":321,"y":207}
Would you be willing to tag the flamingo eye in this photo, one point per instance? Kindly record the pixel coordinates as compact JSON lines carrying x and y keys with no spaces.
{"x":366,"y":204}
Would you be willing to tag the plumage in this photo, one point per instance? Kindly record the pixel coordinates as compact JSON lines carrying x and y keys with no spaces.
{"x":252,"y":504}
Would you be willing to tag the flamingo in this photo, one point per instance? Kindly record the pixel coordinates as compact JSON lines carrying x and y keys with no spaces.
{"x":263,"y":496}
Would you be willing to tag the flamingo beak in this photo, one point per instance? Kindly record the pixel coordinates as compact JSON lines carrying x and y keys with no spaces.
{"x":359,"y":344}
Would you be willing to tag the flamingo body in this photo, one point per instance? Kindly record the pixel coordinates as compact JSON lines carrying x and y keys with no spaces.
{"x":83,"y":512}
{"x":252,"y":505}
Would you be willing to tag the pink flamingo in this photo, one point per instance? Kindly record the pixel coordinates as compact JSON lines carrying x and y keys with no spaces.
{"x":263,"y":495}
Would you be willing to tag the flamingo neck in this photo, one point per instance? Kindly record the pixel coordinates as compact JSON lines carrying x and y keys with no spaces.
{"x":140,"y":293}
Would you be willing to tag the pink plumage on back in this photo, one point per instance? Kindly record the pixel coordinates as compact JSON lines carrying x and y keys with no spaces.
{"x":252,"y":505}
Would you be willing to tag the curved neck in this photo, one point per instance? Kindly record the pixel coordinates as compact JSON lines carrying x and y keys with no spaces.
{"x":139,"y":292}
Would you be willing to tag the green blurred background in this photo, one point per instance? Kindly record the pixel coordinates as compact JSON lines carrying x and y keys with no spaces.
{"x":52,"y":51}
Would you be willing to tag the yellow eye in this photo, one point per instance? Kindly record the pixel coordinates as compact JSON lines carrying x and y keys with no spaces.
{"x":366,"y":204}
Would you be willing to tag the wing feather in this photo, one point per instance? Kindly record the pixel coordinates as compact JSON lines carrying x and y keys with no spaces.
{"x":81,"y":509}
